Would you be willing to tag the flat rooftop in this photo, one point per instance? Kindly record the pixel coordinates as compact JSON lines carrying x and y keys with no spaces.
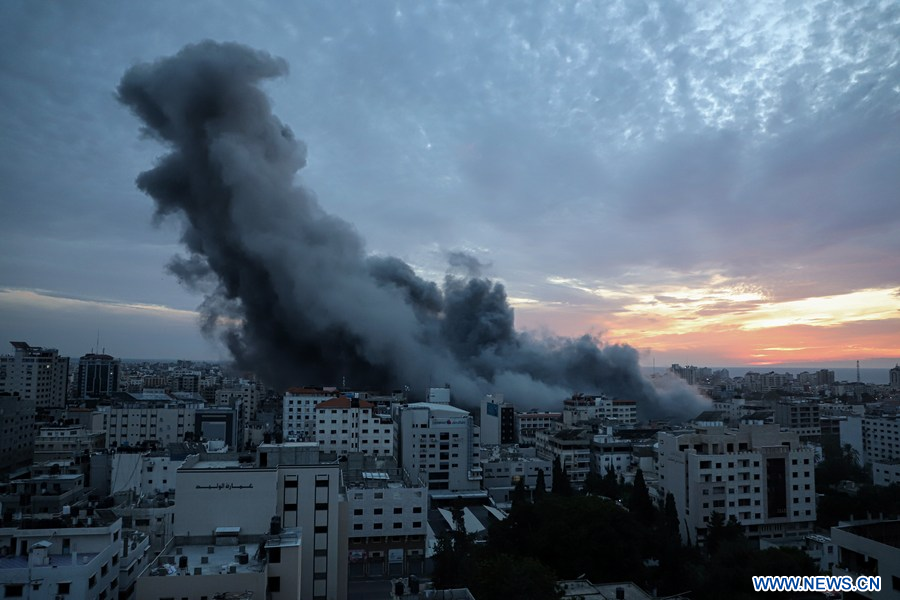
{"x":56,"y":560}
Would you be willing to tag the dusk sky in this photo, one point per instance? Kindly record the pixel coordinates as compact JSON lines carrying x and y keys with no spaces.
{"x":712,"y":183}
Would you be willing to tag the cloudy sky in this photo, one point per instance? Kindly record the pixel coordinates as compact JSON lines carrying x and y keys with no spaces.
{"x":713,"y":183}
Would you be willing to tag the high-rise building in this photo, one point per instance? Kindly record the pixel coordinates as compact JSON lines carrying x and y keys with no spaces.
{"x":98,"y":376}
{"x":758,"y":474}
{"x":440,"y":444}
{"x":348,"y":425}
{"x":299,"y":412}
{"x":498,"y":421}
{"x":895,"y":377}
{"x":17,"y":427}
{"x":39,"y":375}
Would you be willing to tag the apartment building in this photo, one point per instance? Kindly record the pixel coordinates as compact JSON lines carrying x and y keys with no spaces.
{"x":440,"y":444}
{"x":758,"y":474}
{"x":39,"y":375}
{"x":571,"y":445}
{"x":299,"y":412}
{"x":388,"y":517}
{"x":349,"y":425}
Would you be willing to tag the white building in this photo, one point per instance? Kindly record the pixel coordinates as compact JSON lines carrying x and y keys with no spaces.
{"x":529,"y":423}
{"x":227,"y":496}
{"x":66,"y":442}
{"x":610,"y":452}
{"x":572,"y":446}
{"x":388,"y":518}
{"x":228,"y":565}
{"x":505,"y":466}
{"x":347,"y":425}
{"x":876,"y":440}
{"x":157,"y":416}
{"x":623,"y":412}
{"x":39,"y":375}
{"x":440,"y":444}
{"x":886,"y":472}
{"x":871,"y":548}
{"x":763,"y":477}
{"x":17,"y":425}
{"x":498,"y":421}
{"x":74,"y":556}
{"x":248,"y":395}
{"x":299,"y":412}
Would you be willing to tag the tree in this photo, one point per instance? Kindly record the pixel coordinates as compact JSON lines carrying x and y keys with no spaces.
{"x":501,"y":576}
{"x":519,"y":494}
{"x":639,"y":503}
{"x":452,"y":557}
{"x":670,"y":518}
{"x":561,"y":484}
{"x":540,"y":488}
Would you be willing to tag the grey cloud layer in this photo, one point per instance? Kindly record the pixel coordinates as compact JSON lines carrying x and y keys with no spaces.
{"x":758,"y":140}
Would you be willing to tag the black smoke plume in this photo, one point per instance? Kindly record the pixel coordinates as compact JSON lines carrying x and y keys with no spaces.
{"x":291,"y":289}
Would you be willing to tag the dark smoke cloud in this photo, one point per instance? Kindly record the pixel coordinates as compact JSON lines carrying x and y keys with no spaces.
{"x":290,"y":288}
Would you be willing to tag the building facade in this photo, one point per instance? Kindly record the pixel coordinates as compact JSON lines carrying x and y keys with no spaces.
{"x":37,"y":374}
{"x":349,"y":425}
{"x":440,"y":444}
{"x":761,"y":476}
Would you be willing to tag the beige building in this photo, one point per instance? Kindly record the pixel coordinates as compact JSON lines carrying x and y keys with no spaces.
{"x":348,"y":425}
{"x":758,"y":474}
{"x":299,"y":412}
{"x":39,"y":375}
{"x":219,"y":492}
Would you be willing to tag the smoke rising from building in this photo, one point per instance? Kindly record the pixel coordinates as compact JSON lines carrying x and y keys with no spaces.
{"x":291,"y":289}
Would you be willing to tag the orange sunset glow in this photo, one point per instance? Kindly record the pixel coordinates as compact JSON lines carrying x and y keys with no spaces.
{"x":721,"y":326}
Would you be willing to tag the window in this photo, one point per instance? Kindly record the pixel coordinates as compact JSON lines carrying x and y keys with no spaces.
{"x":63,"y":587}
{"x":14,"y":590}
{"x":357,"y":511}
{"x":274,"y":584}
{"x":92,"y":581}
{"x":398,"y":510}
{"x":275,"y":555}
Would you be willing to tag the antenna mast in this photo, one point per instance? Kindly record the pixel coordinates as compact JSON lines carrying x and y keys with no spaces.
{"x":858,"y":383}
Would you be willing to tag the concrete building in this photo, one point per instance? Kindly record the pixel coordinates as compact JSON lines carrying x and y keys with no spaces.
{"x":299,"y":412}
{"x":875,"y":438}
{"x":350,"y":425}
{"x":894,"y":375}
{"x":571,"y":445}
{"x":388,"y":518}
{"x":498,"y":421}
{"x":763,"y":477}
{"x":149,"y":416}
{"x":608,"y":451}
{"x":529,"y":423}
{"x":618,"y":410}
{"x":870,"y":549}
{"x":41,"y":496}
{"x":17,"y":428}
{"x":68,"y":556}
{"x":248,"y":395}
{"x":97,"y":376}
{"x":886,"y":472}
{"x":440,"y":444}
{"x":801,"y":416}
{"x":38,"y":375}
{"x":227,"y":564}
{"x":439,"y":395}
{"x":220,"y":495}
{"x":505,"y":466}
{"x":66,"y":442}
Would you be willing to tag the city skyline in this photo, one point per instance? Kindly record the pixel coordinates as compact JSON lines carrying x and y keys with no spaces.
{"x":725,"y":199}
